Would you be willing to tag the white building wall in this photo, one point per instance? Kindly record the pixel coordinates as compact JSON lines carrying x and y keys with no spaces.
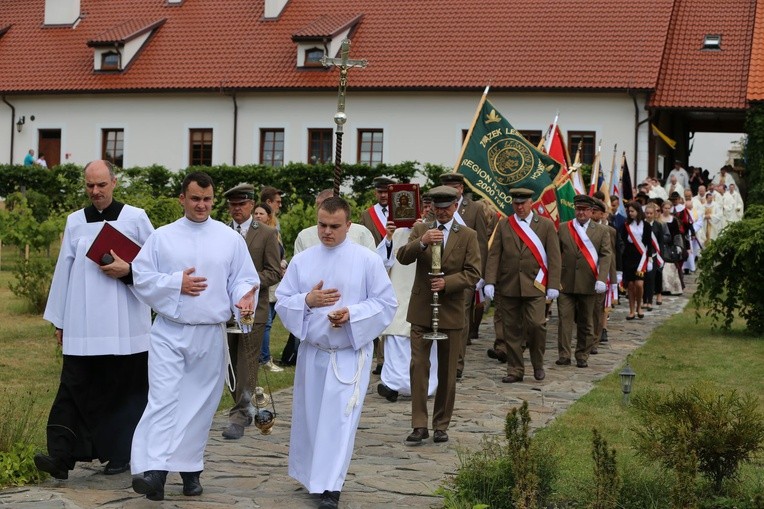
{"x":418,"y":126}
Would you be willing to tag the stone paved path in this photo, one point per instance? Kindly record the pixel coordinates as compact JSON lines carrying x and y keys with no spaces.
{"x":252,"y":472}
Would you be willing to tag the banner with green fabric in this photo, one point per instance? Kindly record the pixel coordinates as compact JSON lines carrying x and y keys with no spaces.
{"x":496,"y":158}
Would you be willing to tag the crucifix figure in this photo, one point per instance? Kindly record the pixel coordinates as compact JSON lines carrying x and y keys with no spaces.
{"x":344,"y":63}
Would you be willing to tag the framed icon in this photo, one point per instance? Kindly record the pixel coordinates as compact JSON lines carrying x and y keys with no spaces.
{"x":404,"y":204}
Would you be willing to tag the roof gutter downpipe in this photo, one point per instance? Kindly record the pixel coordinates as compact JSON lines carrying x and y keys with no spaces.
{"x":13,"y":128}
{"x":235,"y":126}
{"x":637,"y":123}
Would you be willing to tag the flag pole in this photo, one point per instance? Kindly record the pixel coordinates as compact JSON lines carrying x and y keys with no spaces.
{"x":612,"y":174}
{"x":552,"y":131}
{"x":472,"y":127}
{"x":595,"y":170}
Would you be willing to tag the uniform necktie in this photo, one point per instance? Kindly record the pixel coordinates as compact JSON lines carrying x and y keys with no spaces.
{"x":238,"y":229}
{"x":441,"y":227}
{"x":384,"y":211}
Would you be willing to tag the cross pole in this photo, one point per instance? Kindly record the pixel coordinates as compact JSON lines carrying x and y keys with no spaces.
{"x":344,"y":63}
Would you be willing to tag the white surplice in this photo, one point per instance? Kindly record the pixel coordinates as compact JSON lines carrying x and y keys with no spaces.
{"x":187,"y":354}
{"x":99,"y":314}
{"x":397,"y":367}
{"x":333,"y":364}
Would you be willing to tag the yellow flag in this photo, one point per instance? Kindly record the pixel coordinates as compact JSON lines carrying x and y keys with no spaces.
{"x":657,"y":132}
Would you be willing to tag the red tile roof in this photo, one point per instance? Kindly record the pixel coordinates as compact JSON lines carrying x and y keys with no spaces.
{"x":691,"y":77}
{"x":125,"y":31}
{"x":448,"y":44}
{"x":327,"y":26}
{"x":756,"y":69}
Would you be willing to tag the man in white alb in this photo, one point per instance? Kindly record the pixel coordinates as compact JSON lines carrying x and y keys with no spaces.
{"x":337,"y":297}
{"x":193,"y":273}
{"x":104,"y":332}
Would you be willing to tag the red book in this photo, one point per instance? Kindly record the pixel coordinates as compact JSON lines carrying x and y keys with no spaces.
{"x":110,"y":238}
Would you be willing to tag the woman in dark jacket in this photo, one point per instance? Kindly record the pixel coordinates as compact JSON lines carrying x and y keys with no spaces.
{"x":637,"y":251}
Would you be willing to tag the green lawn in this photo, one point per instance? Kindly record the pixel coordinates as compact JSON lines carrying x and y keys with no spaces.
{"x":30,"y":362}
{"x":679,"y":353}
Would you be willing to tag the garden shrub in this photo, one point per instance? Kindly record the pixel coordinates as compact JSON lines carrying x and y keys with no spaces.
{"x":33,"y":278}
{"x":511,"y":475}
{"x":607,"y":482}
{"x":731,"y":281}
{"x":699,"y":429}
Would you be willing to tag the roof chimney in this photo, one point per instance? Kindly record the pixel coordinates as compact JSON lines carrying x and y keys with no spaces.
{"x":62,"y":12}
{"x":273,"y":8}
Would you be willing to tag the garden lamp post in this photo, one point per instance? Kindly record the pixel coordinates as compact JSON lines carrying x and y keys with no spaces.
{"x":627,"y":379}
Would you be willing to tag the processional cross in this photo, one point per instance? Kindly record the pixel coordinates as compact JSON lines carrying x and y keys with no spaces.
{"x":344,"y":63}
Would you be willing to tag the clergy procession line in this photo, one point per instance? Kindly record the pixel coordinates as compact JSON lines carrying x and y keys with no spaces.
{"x":348,"y":291}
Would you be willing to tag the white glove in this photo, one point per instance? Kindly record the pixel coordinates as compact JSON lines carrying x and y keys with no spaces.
{"x":552,"y":294}
{"x":619,"y":277}
{"x":489,"y":291}
{"x":600,"y":287}
{"x":480,"y":284}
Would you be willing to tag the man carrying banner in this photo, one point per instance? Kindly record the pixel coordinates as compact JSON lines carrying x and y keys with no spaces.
{"x":375,"y":220}
{"x":585,"y":253}
{"x":524,"y":268}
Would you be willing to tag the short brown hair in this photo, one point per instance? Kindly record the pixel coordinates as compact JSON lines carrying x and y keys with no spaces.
{"x":334,"y":204}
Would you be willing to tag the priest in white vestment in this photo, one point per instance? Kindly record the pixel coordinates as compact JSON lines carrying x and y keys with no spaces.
{"x":738,"y":202}
{"x":104,"y":333}
{"x":713,"y":217}
{"x":396,"y":372}
{"x":337,"y":297}
{"x":193,"y":273}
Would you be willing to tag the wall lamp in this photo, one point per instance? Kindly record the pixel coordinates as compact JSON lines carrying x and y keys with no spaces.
{"x":20,"y":124}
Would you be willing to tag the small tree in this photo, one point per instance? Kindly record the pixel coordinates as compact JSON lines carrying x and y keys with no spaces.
{"x":607,"y":482}
{"x":699,"y":426}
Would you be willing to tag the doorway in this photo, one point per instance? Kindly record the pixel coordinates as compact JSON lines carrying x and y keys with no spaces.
{"x":49,"y":143}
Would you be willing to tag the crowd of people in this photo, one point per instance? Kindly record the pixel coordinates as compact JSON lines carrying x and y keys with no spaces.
{"x":357,"y":300}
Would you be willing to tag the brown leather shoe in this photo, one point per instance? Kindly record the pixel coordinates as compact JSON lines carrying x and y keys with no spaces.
{"x":440,"y":436}
{"x":539,"y":374}
{"x":562,"y":362}
{"x":417,"y":436}
{"x":511,"y":379}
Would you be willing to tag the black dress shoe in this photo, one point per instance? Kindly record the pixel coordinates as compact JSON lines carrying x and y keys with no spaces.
{"x":539,"y":374}
{"x":497,"y":354}
{"x":458,"y":374}
{"x":417,"y":436}
{"x":191,"y":485}
{"x":116,"y":467}
{"x":387,"y":393}
{"x":377,"y":369}
{"x":562,"y":362}
{"x":440,"y":436}
{"x":329,"y":500}
{"x":594,"y":351}
{"x":582,"y":364}
{"x":603,"y":336}
{"x":511,"y":379}
{"x":150,"y":483}
{"x":53,"y":466}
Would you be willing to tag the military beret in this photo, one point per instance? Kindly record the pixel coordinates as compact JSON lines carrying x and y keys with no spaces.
{"x":520,"y":194}
{"x":452,"y":178}
{"x":443,"y":196}
{"x":382,"y":182}
{"x":241,"y":191}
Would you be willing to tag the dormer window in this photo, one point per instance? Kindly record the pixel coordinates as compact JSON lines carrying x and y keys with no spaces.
{"x":712,"y":42}
{"x":323,"y":37}
{"x":110,"y":61}
{"x":117,"y":47}
{"x":313,"y":57}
